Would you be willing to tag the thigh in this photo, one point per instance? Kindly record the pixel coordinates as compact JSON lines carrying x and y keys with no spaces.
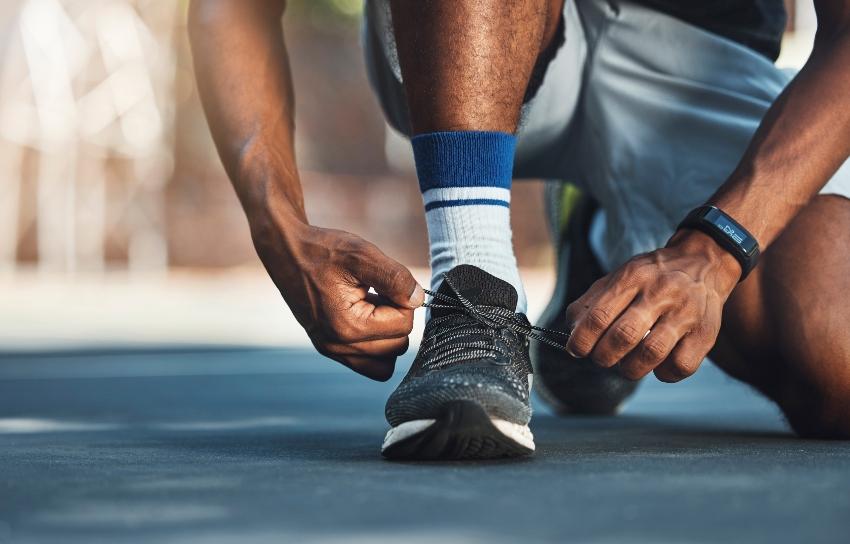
{"x":786,"y":329}
{"x":382,"y":66}
{"x":547,"y":117}
{"x":666,"y":113}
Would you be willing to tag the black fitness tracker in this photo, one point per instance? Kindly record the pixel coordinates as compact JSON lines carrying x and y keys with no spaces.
{"x":727,"y":232}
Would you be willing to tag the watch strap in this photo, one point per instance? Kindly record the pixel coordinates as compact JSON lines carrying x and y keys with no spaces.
{"x":727,"y":232}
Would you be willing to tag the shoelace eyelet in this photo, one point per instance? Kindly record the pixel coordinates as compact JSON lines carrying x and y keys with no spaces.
{"x":512,"y":327}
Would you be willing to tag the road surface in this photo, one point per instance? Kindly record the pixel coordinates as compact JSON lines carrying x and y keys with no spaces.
{"x":263,"y":445}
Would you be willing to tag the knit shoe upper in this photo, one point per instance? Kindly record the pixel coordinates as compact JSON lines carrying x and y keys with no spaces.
{"x":475,"y":348}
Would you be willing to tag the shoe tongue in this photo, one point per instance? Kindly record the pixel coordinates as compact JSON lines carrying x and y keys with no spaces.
{"x":478,"y":287}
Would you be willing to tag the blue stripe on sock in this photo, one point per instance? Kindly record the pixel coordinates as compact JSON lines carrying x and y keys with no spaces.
{"x":464,"y":159}
{"x":466,"y":202}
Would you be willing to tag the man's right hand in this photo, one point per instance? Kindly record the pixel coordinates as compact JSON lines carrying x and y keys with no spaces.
{"x":325,"y":275}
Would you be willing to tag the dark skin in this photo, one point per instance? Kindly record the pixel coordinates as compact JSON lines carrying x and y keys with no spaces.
{"x":324,"y":275}
{"x":466,"y":65}
{"x":782,"y":330}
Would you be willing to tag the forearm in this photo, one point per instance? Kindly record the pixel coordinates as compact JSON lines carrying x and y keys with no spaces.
{"x":245,"y":86}
{"x":802,"y":141}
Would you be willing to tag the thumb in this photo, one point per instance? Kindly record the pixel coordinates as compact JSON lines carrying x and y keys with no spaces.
{"x":390,"y":279}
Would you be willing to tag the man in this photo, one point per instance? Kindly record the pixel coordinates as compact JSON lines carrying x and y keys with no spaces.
{"x":656,"y":108}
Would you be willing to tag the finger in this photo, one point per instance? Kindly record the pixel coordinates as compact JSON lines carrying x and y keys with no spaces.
{"x":653,"y":349}
{"x":599,"y":315}
{"x":693,"y":348}
{"x":625,"y":333}
{"x":580,"y":305}
{"x":683,"y":361}
{"x":378,"y":369}
{"x":386,"y":347}
{"x":388,"y":277}
{"x":369,"y":319}
{"x":375,"y":359}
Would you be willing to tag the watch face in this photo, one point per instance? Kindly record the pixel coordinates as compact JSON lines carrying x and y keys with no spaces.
{"x":731,"y":229}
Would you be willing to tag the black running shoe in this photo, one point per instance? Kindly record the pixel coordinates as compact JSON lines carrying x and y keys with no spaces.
{"x":466,"y":395}
{"x":570,"y":385}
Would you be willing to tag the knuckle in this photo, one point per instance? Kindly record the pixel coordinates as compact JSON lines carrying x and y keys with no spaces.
{"x":626,"y":334}
{"x":638,"y":267}
{"x":356,"y":253}
{"x":680,"y":369}
{"x":631,"y":266}
{"x":580,"y":344}
{"x":351,"y":242}
{"x":654,"y":350}
{"x":707,"y":332}
{"x":683,"y":368}
{"x":344,"y":242}
{"x":598,"y":319}
{"x":641,"y":274}
{"x":351,"y":258}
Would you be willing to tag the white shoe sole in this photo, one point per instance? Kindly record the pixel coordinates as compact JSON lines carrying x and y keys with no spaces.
{"x":464,"y":431}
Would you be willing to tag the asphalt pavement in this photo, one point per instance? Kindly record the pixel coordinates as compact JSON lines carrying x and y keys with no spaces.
{"x":262,"y":445}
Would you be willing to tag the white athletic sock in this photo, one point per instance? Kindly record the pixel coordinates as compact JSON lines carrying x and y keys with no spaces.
{"x":465,"y":180}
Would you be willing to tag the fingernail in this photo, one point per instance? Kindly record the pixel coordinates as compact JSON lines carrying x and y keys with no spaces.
{"x":417,"y":299}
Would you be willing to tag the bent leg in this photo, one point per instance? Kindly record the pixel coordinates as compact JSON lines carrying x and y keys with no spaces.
{"x":786,"y":329}
{"x":466,"y":67}
{"x":466,"y":64}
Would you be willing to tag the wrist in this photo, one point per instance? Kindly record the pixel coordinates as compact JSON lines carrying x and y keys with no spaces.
{"x":276,"y":226}
{"x":268,"y":184}
{"x":724,"y":266}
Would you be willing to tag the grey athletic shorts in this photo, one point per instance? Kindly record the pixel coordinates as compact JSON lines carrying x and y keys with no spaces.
{"x":645,"y":112}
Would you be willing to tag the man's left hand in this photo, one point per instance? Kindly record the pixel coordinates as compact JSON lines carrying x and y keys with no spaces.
{"x":659,"y":312}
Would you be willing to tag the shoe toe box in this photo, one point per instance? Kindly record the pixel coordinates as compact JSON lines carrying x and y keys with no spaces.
{"x":496,"y":388}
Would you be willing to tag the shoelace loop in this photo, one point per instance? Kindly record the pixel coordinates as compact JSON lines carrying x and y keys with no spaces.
{"x":494,"y":316}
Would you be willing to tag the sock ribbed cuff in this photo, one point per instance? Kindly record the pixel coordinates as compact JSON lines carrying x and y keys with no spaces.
{"x":464,"y":159}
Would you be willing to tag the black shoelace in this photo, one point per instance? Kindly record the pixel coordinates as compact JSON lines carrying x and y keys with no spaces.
{"x":480,"y":330}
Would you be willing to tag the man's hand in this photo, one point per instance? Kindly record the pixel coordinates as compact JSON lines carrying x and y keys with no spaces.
{"x":659,"y":312}
{"x":678,"y":292}
{"x":325,"y":275}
